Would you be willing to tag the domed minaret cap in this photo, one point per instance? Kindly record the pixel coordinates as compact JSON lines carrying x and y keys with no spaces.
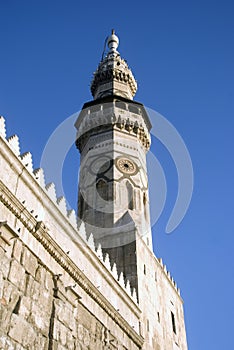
{"x":113,"y":76}
{"x":113,"y":41}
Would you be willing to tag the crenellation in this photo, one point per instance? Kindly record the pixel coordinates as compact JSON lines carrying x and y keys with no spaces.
{"x":26,"y":159}
{"x":99,"y":252}
{"x":121,"y":280}
{"x":128,"y":287}
{"x":2,"y":127}
{"x":90,"y":242}
{"x":168,"y":274}
{"x":71,"y":214}
{"x":82,"y":231}
{"x":40,"y":177}
{"x":134,"y":295}
{"x":114,"y":271}
{"x":107,"y":262}
{"x":14,"y":144}
{"x":160,"y":261}
{"x":51,"y":191}
{"x":61,"y":201}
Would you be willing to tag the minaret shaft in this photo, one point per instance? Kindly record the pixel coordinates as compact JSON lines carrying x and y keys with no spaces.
{"x":113,"y":139}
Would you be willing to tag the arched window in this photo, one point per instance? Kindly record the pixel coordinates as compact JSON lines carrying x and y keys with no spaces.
{"x":102,"y":189}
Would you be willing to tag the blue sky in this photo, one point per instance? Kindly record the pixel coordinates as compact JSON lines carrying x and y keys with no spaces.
{"x":182,"y":55}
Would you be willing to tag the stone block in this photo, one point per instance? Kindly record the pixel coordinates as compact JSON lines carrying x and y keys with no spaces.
{"x":45,"y":299}
{"x":18,"y":327}
{"x":60,"y":347}
{"x":8,"y":304}
{"x":70,"y":341}
{"x":29,"y":261}
{"x":22,"y":332}
{"x":49,"y":284}
{"x":64,"y":314}
{"x":60,"y":333}
{"x":17,"y":275}
{"x":41,"y":343}
{"x":17,"y":249}
{"x":4,"y":318}
{"x":40,"y":318}
{"x":35,"y":289}
{"x":25,"y":307}
{"x":4,"y":263}
{"x":40,"y":274}
{"x":1,"y":285}
{"x":29,"y":336}
{"x":10,"y":292}
{"x":6,"y":343}
{"x":29,"y":280}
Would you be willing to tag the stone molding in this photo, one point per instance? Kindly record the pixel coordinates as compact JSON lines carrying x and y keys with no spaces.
{"x":95,"y":122}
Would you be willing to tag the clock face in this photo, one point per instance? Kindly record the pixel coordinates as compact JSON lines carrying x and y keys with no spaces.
{"x":126,"y":166}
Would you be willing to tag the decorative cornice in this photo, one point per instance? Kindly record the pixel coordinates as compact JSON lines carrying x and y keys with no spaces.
{"x":101,"y":121}
{"x":113,"y":74}
{"x":40,"y":232}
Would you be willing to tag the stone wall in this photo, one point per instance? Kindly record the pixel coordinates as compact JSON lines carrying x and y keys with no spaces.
{"x":58,"y":290}
{"x":37,"y":311}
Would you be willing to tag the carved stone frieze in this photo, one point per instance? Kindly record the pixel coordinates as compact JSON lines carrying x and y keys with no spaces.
{"x":110,"y":70}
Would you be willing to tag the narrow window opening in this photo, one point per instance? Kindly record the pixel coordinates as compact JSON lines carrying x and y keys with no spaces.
{"x":173,"y":322}
{"x":147,"y":325}
{"x":158,"y":317}
{"x":81,"y":206}
{"x":144,"y":269}
{"x":102,"y":189}
{"x":130,"y":196}
{"x":140,"y":328}
{"x":144,"y":198}
{"x":155,"y":276}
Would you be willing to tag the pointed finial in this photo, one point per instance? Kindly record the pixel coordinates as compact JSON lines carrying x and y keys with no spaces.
{"x":113,"y":41}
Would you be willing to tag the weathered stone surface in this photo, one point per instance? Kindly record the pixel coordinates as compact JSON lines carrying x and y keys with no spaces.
{"x":4,"y":263}
{"x":40,"y":274}
{"x":21,"y":331}
{"x":17,"y":274}
{"x":6,"y":343}
{"x":40,"y":317}
{"x":17,"y":250}
{"x":49,"y":284}
{"x":9,"y":300}
{"x":65,"y":314}
{"x":25,"y":306}
{"x":29,"y":261}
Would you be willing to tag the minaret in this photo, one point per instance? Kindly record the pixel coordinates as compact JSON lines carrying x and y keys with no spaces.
{"x":113,"y":139}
